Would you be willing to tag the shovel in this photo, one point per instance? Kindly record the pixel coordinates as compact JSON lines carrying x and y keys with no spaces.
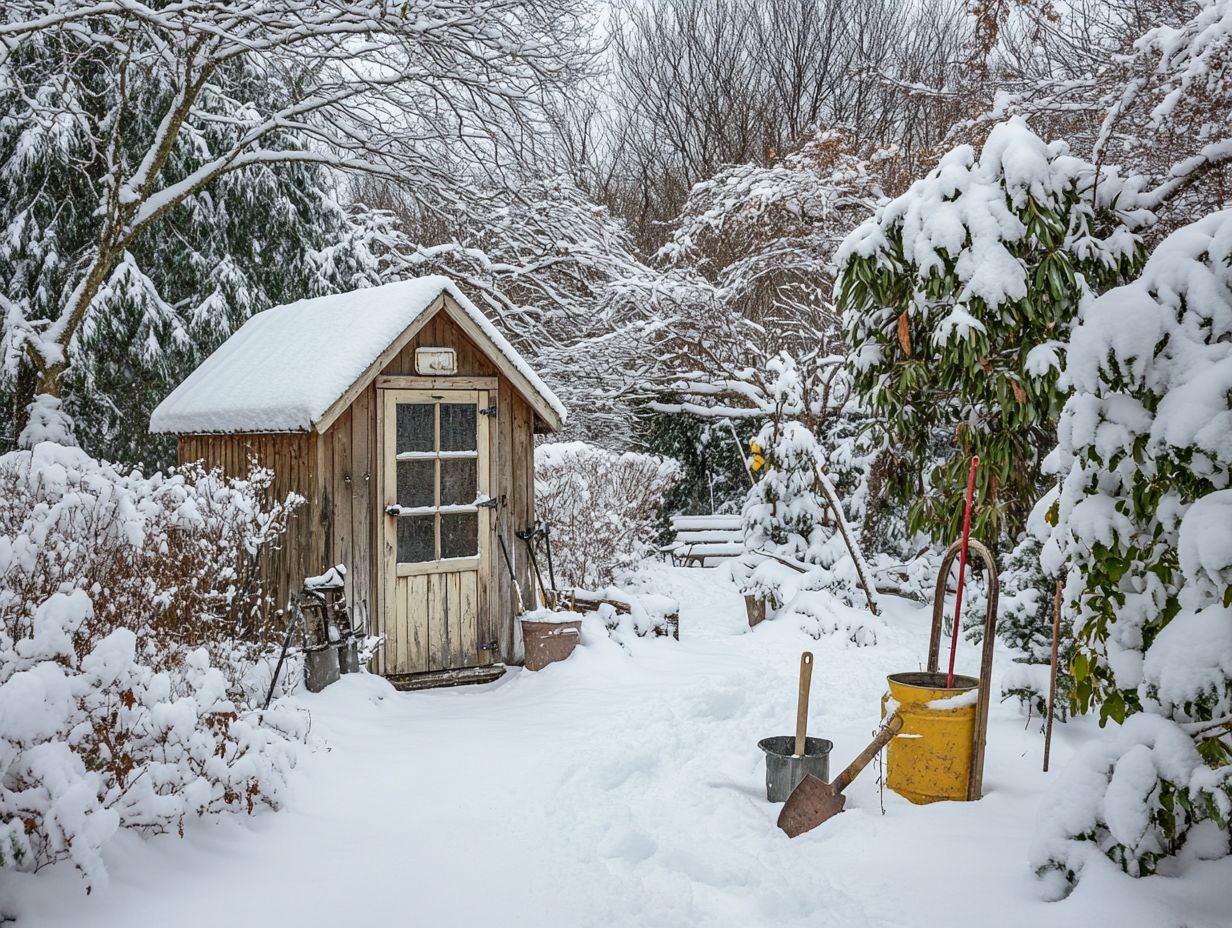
{"x":814,"y":801}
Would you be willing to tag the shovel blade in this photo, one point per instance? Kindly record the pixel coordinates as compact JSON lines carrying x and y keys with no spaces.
{"x":812,"y":802}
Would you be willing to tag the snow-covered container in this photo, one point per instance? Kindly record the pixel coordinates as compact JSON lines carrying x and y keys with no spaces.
{"x":407,"y":422}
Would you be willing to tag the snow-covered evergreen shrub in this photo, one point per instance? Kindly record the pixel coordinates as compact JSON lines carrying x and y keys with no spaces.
{"x":1024,"y":622}
{"x":788,"y":510}
{"x":123,"y":691}
{"x":1142,"y":530}
{"x":957,"y":298}
{"x":783,"y":512}
{"x":712,"y":478}
{"x":602,"y":508}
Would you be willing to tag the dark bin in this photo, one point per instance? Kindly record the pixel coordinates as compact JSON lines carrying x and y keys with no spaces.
{"x":320,"y":667}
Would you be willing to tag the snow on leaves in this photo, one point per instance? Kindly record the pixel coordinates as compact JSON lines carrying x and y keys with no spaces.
{"x":1145,"y":459}
{"x":956,"y":296}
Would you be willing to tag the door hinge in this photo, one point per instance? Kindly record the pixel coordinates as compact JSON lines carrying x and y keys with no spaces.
{"x":488,"y":411}
{"x":489,"y":646}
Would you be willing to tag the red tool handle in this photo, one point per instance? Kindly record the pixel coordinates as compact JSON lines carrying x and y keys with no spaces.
{"x":962,"y":566}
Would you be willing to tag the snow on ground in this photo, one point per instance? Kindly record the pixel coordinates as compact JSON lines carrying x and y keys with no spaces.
{"x":622,"y":789}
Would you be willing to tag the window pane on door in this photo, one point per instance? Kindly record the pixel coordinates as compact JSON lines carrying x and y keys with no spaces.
{"x":458,"y":427}
{"x":416,"y":427}
{"x":417,"y":483}
{"x":459,"y":534}
{"x":459,"y":477}
{"x":416,"y":539}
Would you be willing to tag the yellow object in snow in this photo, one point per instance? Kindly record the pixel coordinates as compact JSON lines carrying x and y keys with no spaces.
{"x":930,"y":759}
{"x":757,"y":462}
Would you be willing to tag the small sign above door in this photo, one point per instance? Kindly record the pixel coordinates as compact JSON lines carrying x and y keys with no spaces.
{"x":436,"y":362}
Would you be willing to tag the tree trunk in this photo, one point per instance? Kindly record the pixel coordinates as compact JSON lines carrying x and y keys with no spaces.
{"x":23,"y":395}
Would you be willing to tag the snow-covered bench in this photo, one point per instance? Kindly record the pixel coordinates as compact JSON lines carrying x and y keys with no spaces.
{"x":702,"y":538}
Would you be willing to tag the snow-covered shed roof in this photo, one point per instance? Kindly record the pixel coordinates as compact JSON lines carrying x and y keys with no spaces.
{"x":286,"y":368}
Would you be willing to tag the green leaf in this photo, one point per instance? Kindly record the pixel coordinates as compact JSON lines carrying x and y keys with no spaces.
{"x":1080,"y":666}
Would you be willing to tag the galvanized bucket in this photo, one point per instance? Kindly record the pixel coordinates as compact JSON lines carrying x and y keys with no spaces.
{"x":784,"y":770}
{"x":320,"y":667}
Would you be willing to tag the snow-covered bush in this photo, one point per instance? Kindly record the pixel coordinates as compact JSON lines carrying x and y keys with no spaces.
{"x":783,"y":511}
{"x":1137,"y":795}
{"x":122,"y":675}
{"x":793,"y":510}
{"x":1024,"y":622}
{"x":602,"y":508}
{"x":957,"y":298}
{"x":1142,"y":531}
{"x":816,"y":599}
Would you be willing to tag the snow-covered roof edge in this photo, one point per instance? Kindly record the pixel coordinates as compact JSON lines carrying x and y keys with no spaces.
{"x":316,"y":405}
{"x":510,"y":353}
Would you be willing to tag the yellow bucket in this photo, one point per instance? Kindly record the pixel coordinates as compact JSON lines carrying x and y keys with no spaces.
{"x":930,"y":759}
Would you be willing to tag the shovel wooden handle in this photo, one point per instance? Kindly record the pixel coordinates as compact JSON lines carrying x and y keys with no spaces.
{"x":888,"y":731}
{"x":806,"y":682}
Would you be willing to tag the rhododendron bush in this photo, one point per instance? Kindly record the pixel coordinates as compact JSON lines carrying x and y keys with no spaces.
{"x":957,"y":297}
{"x":130,"y":654}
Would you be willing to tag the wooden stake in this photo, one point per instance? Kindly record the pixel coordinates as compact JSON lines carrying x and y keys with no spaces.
{"x":1052,"y":675}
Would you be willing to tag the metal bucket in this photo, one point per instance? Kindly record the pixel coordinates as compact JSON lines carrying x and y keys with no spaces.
{"x":784,"y":770}
{"x":930,"y":759}
{"x":320,"y":667}
{"x":348,"y":655}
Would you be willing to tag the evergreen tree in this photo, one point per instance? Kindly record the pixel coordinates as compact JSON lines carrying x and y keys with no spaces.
{"x":255,"y":239}
{"x":1145,"y":452}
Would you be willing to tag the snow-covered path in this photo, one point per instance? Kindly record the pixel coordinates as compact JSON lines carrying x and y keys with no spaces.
{"x":620,"y":790}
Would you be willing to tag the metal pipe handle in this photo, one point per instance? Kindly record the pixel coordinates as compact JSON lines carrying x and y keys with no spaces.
{"x":979,"y":738}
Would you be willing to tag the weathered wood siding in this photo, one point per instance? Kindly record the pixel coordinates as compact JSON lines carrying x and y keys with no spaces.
{"x":291,"y":456}
{"x":337,"y":472}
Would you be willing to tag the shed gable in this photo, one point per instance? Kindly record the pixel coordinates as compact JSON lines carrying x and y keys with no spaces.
{"x":297,"y":368}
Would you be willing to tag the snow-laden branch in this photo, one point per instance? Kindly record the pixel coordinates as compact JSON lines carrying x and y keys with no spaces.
{"x":161,"y":101}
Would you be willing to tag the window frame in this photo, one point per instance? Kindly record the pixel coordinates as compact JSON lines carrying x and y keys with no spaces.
{"x":390,"y":457}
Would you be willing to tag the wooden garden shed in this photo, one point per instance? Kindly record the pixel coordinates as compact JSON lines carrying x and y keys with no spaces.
{"x":397,"y":412}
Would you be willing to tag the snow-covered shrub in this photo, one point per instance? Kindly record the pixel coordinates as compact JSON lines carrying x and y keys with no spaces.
{"x":174,"y":554}
{"x":793,"y":510}
{"x":1024,"y":622}
{"x":638,"y":615}
{"x":1142,"y":531}
{"x":602,"y":508}
{"x":115,"y":591}
{"x":813,"y":599}
{"x":712,"y":477}
{"x":783,"y":512}
{"x":1137,"y":795}
{"x":957,"y":297}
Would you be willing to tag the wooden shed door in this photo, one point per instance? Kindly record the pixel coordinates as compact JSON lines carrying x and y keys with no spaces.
{"x":435,"y":560}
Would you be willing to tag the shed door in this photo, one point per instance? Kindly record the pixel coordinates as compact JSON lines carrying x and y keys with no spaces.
{"x":435,"y":474}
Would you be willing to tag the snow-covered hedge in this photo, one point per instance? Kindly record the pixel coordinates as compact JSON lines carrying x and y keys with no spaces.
{"x":1142,"y":531}
{"x":124,"y":602}
{"x":602,"y":507}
